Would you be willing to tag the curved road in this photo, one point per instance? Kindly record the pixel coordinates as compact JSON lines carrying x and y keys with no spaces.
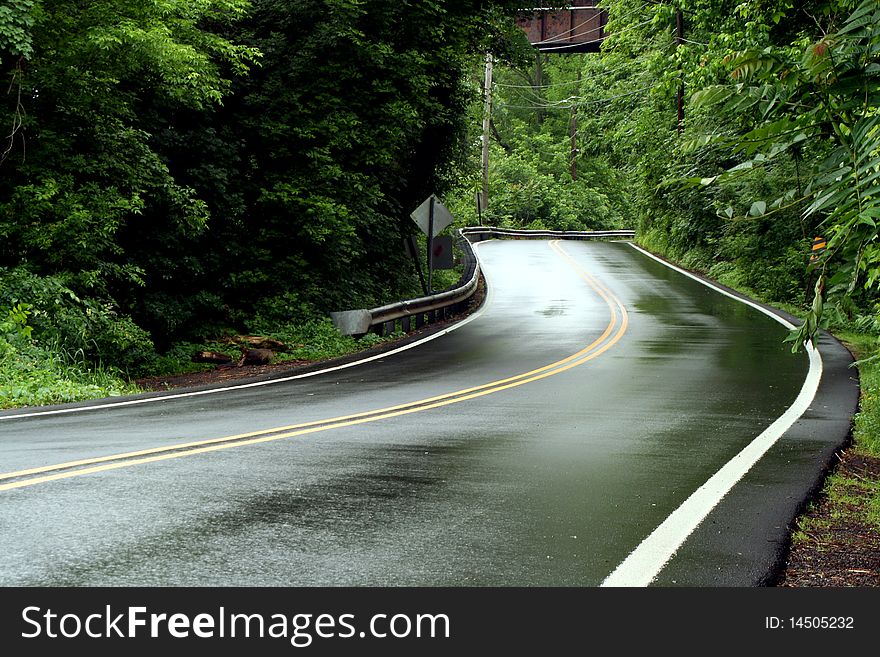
{"x":539,"y":442}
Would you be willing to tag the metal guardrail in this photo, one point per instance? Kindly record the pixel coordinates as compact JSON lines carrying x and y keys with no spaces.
{"x":415,"y":313}
{"x":490,"y":232}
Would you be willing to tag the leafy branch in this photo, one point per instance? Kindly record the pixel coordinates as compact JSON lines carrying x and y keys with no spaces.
{"x":829,"y":94}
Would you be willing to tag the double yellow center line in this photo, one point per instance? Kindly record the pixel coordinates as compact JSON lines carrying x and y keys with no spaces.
{"x":613,"y":332}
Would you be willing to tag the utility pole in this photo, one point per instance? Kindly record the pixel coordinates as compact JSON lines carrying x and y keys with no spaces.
{"x":430,"y":253}
{"x":487,"y":118}
{"x":539,"y":84}
{"x":573,"y":129}
{"x":679,"y":39}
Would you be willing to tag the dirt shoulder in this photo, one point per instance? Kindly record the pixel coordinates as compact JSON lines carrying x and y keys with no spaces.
{"x":222,"y":374}
{"x":835,"y":544}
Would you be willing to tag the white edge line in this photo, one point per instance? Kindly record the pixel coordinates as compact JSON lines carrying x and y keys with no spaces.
{"x":644,"y":563}
{"x":754,"y":305}
{"x":258,"y":384}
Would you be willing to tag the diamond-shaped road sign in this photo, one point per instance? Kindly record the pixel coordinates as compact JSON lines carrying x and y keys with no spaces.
{"x":422,"y":216}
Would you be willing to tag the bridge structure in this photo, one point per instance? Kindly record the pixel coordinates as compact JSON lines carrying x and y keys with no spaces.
{"x":578,"y":28}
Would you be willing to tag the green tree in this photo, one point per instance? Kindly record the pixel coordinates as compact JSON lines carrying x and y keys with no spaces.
{"x":821,"y":94}
{"x":158,"y":172}
{"x":357,"y":112}
{"x":78,"y":165}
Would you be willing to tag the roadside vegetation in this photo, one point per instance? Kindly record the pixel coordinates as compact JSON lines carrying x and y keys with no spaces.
{"x":34,"y":375}
{"x":172,"y":174}
{"x":837,"y":539}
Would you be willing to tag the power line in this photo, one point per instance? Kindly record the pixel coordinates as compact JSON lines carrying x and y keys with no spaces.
{"x":572,"y":101}
{"x":696,"y":43}
{"x":539,"y":86}
{"x":584,"y":104}
{"x":610,"y":98}
{"x":531,"y":95}
{"x":597,"y":74}
{"x":566,"y":103}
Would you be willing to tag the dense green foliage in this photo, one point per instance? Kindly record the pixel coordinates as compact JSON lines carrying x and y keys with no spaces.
{"x":780,"y":140}
{"x":767,"y":255}
{"x":821,"y":97}
{"x":531,"y":181}
{"x":314,"y":162}
{"x":172,"y":171}
{"x":779,"y":144}
{"x":34,"y":374}
{"x":78,"y":166}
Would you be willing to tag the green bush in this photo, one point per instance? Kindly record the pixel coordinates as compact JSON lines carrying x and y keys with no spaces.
{"x":64,"y":322}
{"x":34,"y":377}
{"x":31,"y":375}
{"x":523,"y":194}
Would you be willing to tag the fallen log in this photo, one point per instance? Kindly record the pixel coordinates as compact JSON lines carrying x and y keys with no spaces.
{"x":256,"y":342}
{"x":214,"y":357}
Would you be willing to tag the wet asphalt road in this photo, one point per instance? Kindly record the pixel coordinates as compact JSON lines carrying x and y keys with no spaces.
{"x":551,"y":481}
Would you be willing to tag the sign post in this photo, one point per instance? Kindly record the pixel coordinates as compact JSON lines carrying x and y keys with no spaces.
{"x":431,"y":217}
{"x":431,"y":203}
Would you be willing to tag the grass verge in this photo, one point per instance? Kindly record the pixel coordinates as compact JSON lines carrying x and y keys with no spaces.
{"x":34,"y":376}
{"x":836,"y":541}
